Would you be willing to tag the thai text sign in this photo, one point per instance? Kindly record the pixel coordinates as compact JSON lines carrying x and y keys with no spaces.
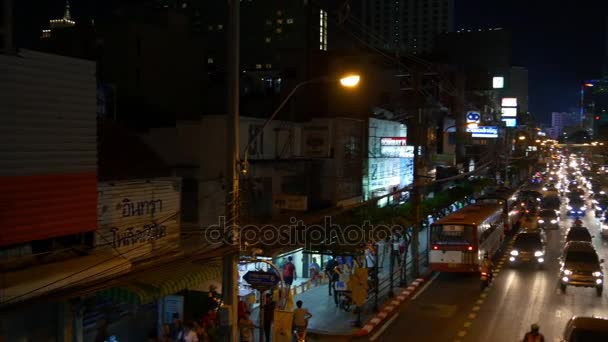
{"x":483,"y":132}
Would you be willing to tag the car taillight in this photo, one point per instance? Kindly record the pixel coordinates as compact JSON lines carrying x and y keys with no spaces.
{"x":435,"y":247}
{"x":470,"y":248}
{"x":484,"y":273}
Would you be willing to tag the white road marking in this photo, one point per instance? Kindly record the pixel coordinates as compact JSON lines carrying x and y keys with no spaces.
{"x":384,"y":327}
{"x":425,"y":286}
{"x":558,"y":313}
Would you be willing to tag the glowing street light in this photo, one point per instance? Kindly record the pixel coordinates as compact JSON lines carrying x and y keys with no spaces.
{"x":522,"y":137}
{"x":350,"y":81}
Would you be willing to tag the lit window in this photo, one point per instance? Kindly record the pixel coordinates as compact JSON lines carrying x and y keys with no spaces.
{"x":209,"y":60}
{"x":279,"y":21}
{"x":323,"y":30}
{"x":269,"y":66}
{"x":267,"y":39}
{"x":220,"y":26}
{"x":290,"y":21}
{"x":258,"y":66}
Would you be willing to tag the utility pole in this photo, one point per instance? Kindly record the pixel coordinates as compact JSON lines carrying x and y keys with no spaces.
{"x":417,"y":194}
{"x":230,"y":261}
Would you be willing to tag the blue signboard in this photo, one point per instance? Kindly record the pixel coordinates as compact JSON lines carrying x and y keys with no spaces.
{"x":510,"y":122}
{"x":260,"y":279}
{"x":473,"y":117}
{"x":484,"y":132}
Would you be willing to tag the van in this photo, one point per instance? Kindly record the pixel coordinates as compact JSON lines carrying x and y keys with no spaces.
{"x":582,"y":329}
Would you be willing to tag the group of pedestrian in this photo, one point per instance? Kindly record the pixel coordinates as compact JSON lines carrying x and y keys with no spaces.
{"x":190,"y":331}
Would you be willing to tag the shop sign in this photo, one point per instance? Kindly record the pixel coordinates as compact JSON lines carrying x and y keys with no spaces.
{"x":483,"y":132}
{"x":397,"y":151}
{"x":393,"y":141}
{"x":473,"y":117}
{"x":261,"y":280}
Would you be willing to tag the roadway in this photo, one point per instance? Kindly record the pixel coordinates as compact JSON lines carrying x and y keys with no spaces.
{"x":452,"y":307}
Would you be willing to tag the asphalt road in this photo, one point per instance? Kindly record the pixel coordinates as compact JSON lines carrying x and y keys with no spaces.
{"x":452,"y":307}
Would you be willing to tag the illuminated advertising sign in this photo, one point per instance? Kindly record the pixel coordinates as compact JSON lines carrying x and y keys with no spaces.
{"x":473,"y":117}
{"x":509,"y":102}
{"x":498,"y":82}
{"x":397,"y":151}
{"x":484,"y":132}
{"x":393,"y":141}
{"x":509,"y":112}
{"x":510,"y":122}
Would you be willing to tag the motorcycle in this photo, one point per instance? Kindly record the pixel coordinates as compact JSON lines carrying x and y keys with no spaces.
{"x":485,"y":278}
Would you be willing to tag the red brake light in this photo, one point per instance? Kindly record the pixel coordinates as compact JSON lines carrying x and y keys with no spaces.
{"x":470,"y":248}
{"x":484,"y":273}
{"x":435,"y":247}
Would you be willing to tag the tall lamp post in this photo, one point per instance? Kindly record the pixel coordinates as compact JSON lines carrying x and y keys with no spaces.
{"x":346,"y":81}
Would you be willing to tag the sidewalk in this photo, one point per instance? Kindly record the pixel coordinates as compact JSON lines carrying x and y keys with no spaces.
{"x":329,"y":319}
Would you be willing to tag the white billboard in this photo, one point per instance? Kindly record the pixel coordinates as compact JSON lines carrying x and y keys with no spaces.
{"x":509,"y":102}
{"x":498,"y":82}
{"x":509,"y":112}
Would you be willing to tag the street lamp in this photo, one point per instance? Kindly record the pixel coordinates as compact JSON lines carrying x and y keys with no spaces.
{"x":347,"y":81}
{"x":522,"y":137}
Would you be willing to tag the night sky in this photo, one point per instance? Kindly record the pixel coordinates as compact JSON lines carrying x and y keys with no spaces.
{"x":561,"y":42}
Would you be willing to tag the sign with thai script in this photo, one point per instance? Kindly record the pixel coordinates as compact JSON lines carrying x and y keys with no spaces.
{"x":473,"y":117}
{"x":483,"y":131}
{"x":137,"y":217}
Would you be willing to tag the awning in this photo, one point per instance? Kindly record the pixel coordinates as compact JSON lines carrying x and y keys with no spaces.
{"x":164,"y":281}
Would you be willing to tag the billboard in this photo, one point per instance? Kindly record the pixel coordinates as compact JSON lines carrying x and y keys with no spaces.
{"x":498,"y":82}
{"x":510,"y":122}
{"x":509,"y":102}
{"x":509,"y":112}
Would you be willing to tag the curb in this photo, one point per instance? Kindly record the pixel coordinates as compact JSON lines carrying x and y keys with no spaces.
{"x":390,"y":307}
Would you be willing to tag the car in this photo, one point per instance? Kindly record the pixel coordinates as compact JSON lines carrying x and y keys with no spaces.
{"x":580,"y":328}
{"x":600,"y":207}
{"x":604,"y":229}
{"x":576,"y":207}
{"x":581,"y":267}
{"x":549,"y":187}
{"x":551,"y":202}
{"x":548,"y":219}
{"x":578,"y":233}
{"x":529,"y":246}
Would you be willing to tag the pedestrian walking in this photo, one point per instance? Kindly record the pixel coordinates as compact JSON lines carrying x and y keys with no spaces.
{"x":190,"y":332}
{"x":330,"y":272}
{"x":268,"y":312}
{"x":315,"y":271}
{"x":289,"y":272}
{"x":246,"y":328}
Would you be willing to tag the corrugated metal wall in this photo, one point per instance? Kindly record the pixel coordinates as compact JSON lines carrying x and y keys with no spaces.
{"x":139,"y":218}
{"x":48,"y":151}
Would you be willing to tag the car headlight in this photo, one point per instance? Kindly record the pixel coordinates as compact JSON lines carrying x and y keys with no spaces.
{"x":541,"y":221}
{"x":595,"y":202}
{"x":600,"y":208}
{"x":545,"y":189}
{"x":514,"y":253}
{"x":583,"y":207}
{"x":597,"y":274}
{"x":602,"y":192}
{"x":554,"y":221}
{"x":567,"y":272}
{"x":539,"y":253}
{"x":569,"y":207}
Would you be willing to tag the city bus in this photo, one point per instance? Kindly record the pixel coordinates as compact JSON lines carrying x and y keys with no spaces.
{"x":458,"y":241}
{"x":512,"y":211}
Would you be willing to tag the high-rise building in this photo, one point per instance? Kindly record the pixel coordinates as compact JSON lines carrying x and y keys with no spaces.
{"x":65,"y":22}
{"x":562,"y":120}
{"x":403,"y":25}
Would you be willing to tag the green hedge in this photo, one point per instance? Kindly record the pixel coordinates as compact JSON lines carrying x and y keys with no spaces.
{"x":404,"y":214}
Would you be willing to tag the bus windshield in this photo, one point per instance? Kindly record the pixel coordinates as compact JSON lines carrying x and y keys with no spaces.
{"x":452,"y":235}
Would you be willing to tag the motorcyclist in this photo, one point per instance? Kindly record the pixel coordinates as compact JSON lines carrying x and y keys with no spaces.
{"x":534,"y":334}
{"x":486,"y":265}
